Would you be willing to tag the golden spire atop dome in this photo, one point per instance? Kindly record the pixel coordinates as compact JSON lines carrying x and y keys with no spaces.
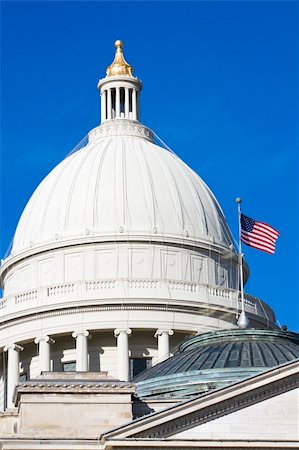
{"x":119,"y":65}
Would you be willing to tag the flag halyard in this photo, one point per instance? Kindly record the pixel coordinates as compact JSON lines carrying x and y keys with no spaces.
{"x":258,"y":235}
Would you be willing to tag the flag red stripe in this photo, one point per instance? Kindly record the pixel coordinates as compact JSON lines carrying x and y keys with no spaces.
{"x":267,"y":230}
{"x":261,"y":233}
{"x":257,"y":240}
{"x":259,"y":247}
{"x":250,"y":236}
{"x":253,"y":237}
{"x":270,"y":252}
{"x":258,"y":235}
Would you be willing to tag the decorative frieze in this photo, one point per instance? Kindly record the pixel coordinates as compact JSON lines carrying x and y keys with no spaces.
{"x":121,"y":127}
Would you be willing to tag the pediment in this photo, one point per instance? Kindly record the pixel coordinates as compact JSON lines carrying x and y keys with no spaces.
{"x":192,"y":419}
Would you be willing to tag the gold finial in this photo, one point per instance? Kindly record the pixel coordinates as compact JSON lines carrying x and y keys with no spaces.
{"x":119,"y":65}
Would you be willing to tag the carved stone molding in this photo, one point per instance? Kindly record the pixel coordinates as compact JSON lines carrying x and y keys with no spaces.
{"x":118,"y":331}
{"x":16,"y":347}
{"x":84,"y":333}
{"x":46,"y":339}
{"x":161,"y":331}
{"x":200,"y":310}
{"x":81,"y":387}
{"x":121,"y":127}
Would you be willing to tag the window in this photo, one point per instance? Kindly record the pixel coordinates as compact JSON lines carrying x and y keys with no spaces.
{"x":69,"y":366}
{"x":138,"y":365}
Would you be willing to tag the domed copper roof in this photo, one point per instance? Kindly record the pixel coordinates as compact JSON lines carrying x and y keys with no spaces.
{"x":217,"y":359}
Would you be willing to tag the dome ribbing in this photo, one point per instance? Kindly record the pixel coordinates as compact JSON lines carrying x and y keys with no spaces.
{"x":217,"y":359}
{"x":121,"y":187}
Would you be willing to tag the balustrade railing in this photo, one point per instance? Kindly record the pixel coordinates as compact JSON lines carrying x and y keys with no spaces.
{"x":61,"y":289}
{"x":26,"y":296}
{"x":142,"y":284}
{"x":182,"y":286}
{"x":98,"y":285}
{"x":220,"y":291}
{"x":91,"y":289}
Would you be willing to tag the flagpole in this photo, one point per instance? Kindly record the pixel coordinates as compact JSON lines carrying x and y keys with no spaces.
{"x":242,"y":321}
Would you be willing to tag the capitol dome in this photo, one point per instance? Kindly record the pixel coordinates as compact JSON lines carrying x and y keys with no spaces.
{"x":121,"y":252}
{"x":121,"y":187}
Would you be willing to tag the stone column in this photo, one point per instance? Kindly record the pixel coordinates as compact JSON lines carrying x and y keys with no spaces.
{"x":109,"y":108}
{"x":138,"y":106}
{"x":81,"y":350}
{"x":44,"y":352}
{"x":13,"y":371}
{"x":123,"y":353}
{"x":127,"y":103}
{"x":103,"y":107}
{"x":117,"y":103}
{"x":134,"y":105}
{"x":163,"y":343}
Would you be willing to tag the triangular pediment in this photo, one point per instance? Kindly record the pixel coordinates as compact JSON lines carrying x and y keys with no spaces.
{"x":187,"y":420}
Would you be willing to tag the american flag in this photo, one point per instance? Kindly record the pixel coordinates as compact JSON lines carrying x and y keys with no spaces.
{"x":258,"y":234}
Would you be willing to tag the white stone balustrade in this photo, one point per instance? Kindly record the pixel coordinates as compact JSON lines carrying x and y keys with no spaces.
{"x":178,"y":291}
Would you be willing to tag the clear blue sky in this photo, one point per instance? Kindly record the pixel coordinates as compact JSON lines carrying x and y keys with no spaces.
{"x":220,"y":87}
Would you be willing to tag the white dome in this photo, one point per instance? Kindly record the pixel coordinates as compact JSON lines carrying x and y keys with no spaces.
{"x":121,"y":187}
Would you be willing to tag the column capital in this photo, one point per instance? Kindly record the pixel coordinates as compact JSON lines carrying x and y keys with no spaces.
{"x":84,"y":333}
{"x":119,"y":331}
{"x":161,"y":331}
{"x":46,"y":339}
{"x":13,"y":346}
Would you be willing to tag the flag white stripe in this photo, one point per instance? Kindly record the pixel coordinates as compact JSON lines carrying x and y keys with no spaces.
{"x":256,"y":242}
{"x":259,"y":246}
{"x":264,"y":249}
{"x":258,"y":235}
{"x":262,"y":234}
{"x":266,"y":229}
{"x":252,"y":236}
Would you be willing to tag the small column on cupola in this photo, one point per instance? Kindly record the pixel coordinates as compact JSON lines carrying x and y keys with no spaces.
{"x":119,"y":90}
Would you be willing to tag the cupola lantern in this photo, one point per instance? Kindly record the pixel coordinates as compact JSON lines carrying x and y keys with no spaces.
{"x":119,"y":89}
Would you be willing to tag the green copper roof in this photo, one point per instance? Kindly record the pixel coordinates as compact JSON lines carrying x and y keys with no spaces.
{"x":212,"y":359}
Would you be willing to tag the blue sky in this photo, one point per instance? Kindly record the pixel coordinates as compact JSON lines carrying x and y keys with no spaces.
{"x":220,"y":87}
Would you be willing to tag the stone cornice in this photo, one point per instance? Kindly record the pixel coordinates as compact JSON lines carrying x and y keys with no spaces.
{"x":190,"y":444}
{"x":70,"y":387}
{"x":200,"y":310}
{"x":91,"y":444}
